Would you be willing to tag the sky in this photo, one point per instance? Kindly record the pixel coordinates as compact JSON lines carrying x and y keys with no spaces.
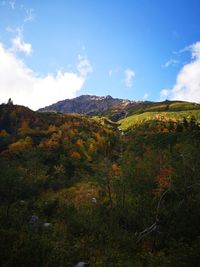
{"x":130,"y":49}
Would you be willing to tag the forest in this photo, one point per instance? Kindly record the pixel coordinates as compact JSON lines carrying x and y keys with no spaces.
{"x":78,"y":188}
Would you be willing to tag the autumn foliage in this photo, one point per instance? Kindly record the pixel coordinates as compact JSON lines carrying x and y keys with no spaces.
{"x":73,"y":188}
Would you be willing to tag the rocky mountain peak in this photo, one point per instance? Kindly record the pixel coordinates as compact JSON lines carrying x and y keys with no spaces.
{"x":90,"y":105}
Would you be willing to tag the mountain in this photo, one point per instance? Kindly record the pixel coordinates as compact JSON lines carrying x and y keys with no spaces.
{"x":125,"y":111}
{"x":91,"y":105}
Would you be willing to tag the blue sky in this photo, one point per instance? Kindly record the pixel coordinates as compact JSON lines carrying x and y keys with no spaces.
{"x":52,"y":50}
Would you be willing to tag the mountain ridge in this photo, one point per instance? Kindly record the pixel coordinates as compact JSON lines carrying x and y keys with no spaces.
{"x":117,"y":109}
{"x":90,"y":105}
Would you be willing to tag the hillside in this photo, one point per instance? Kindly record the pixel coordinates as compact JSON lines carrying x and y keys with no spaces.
{"x":167,"y":110}
{"x":74,"y":188}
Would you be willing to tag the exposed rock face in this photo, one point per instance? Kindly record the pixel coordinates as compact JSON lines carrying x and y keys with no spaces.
{"x":89,"y":104}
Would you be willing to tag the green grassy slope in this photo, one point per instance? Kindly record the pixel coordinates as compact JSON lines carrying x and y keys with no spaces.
{"x":172,"y":110}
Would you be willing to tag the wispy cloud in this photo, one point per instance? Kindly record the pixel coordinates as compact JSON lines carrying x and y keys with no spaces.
{"x":10,"y":4}
{"x":30,"y":14}
{"x":129,"y":75}
{"x":171,"y":62}
{"x":84,"y":67}
{"x":187,"y":86}
{"x":26,"y":87}
{"x":113,"y":71}
{"x":110,"y":73}
{"x":19,"y":45}
{"x":145,"y":97}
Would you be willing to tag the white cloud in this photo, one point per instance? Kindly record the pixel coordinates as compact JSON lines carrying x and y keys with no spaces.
{"x":19,"y":45}
{"x":25,"y":87}
{"x":84,"y":67}
{"x":195,"y":48}
{"x":129,"y":75}
{"x":187,"y":85}
{"x":171,"y":62}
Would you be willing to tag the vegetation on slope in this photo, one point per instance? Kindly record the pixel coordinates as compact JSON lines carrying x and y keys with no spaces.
{"x":168,"y":110}
{"x":73,"y":188}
